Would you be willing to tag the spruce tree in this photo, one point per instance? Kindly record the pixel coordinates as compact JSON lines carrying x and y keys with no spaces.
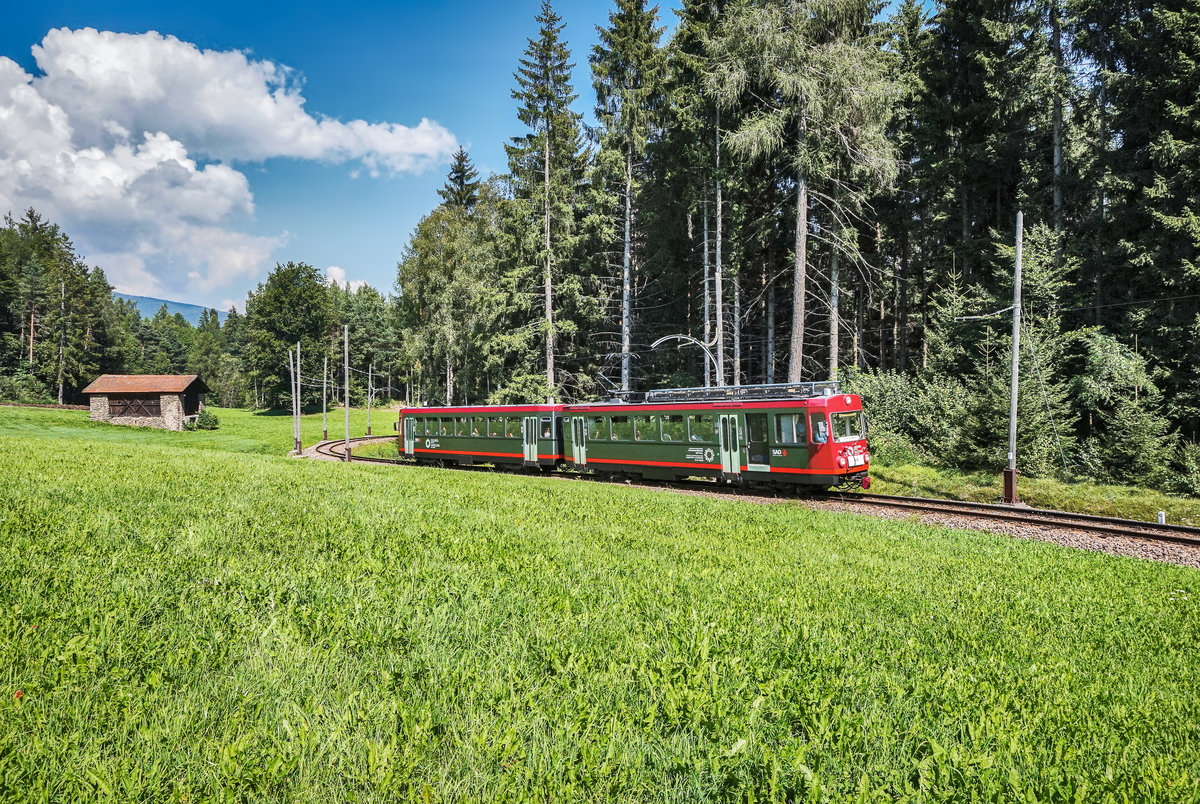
{"x":461,"y":190}
{"x":544,"y":163}
{"x":627,"y":70}
{"x":822,"y":99}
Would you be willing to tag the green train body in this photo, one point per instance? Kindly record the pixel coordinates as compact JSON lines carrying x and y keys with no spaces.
{"x":817,"y":441}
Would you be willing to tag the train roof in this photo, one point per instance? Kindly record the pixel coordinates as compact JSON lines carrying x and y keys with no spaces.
{"x":469,"y":410}
{"x":843,"y":401}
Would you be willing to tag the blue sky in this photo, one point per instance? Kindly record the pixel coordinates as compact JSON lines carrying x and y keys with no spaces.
{"x":186,"y":170}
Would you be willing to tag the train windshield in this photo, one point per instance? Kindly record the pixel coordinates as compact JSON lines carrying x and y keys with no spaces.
{"x":847,"y":426}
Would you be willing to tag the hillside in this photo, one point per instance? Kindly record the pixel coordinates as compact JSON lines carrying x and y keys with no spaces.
{"x":147,"y":306}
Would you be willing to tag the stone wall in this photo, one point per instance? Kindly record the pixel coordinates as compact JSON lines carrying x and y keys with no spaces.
{"x":98,"y":403}
{"x":170,"y":407}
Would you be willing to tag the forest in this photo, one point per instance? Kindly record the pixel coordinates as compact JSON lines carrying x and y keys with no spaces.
{"x":812,"y":189}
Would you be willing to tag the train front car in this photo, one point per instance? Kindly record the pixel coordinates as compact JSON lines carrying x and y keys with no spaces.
{"x":793,"y":435}
{"x":501,"y":435}
{"x":836,"y":450}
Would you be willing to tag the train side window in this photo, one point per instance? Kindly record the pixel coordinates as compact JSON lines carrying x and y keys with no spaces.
{"x":789,"y":429}
{"x":545,"y":428}
{"x":512,"y":427}
{"x":431,"y":427}
{"x":820,"y":428}
{"x":462,"y":426}
{"x":597,"y":428}
{"x":478,"y":426}
{"x":673,"y":428}
{"x":645,"y":428}
{"x":702,"y":429}
{"x":495,"y":426}
{"x":622,"y":428}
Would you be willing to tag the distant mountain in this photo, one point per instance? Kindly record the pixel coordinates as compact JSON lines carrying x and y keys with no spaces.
{"x":148,"y":306}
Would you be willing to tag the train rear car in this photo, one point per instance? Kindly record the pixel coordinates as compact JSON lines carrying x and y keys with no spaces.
{"x":512,"y":435}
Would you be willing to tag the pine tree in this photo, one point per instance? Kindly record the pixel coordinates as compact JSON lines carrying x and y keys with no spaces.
{"x":822,"y":99}
{"x":461,"y":190}
{"x":627,"y":70}
{"x":544,"y":164}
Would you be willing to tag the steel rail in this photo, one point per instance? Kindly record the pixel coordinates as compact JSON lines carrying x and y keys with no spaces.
{"x":1108,"y":526}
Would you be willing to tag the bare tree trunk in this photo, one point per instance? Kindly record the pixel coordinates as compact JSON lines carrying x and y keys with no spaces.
{"x":62,"y":339}
{"x":834,"y":317}
{"x":799,"y":281}
{"x":708,"y":377}
{"x":720,"y":294}
{"x":549,"y":285}
{"x":737,"y":328}
{"x":1056,"y":50}
{"x":32,"y":311}
{"x":627,"y":273}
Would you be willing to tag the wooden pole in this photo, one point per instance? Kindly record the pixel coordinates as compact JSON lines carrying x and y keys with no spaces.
{"x":299,"y":409}
{"x":346,"y":354}
{"x":324,"y":395}
{"x":292,"y":393}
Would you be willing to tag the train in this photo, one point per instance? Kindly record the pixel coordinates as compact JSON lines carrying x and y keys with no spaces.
{"x":787,"y":436}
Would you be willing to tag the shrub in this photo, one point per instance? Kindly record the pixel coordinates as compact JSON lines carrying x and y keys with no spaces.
{"x":206,"y":420}
{"x":22,"y":386}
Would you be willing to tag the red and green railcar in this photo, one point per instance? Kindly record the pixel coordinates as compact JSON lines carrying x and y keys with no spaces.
{"x":513,"y":435}
{"x":793,"y":435}
{"x":816,"y":441}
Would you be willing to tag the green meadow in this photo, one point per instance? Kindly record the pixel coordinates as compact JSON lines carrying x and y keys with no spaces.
{"x":194,"y":617}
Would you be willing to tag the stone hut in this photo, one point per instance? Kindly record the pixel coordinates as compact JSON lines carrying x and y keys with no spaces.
{"x":147,"y":400}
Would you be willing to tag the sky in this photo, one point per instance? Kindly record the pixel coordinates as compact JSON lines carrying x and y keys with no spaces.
{"x":187,"y":148}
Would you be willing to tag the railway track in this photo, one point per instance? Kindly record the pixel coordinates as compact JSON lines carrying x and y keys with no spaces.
{"x":336,"y":449}
{"x":1063,"y":520}
{"x":1101,"y":525}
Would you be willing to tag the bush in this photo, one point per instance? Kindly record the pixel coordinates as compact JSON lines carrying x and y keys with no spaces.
{"x":1185,"y":479}
{"x":206,"y":420}
{"x":24,"y":387}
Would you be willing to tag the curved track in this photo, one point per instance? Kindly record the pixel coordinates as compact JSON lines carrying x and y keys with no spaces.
{"x":1065,"y":520}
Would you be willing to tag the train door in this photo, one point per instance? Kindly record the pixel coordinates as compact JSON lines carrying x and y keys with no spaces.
{"x":758,"y":451}
{"x":730,"y":444}
{"x":818,"y":434}
{"x":579,"y":441}
{"x":410,"y":435}
{"x":529,"y":438}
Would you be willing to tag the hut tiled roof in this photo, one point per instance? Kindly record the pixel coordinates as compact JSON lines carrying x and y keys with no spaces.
{"x":145,"y":384}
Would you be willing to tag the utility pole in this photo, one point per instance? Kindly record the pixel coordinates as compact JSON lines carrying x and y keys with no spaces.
{"x":299,"y":406}
{"x":292,"y":393}
{"x":1010,"y":474}
{"x":370,"y":393}
{"x":346,"y":353}
{"x":324,"y":395}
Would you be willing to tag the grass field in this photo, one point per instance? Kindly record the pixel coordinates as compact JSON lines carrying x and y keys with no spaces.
{"x":191,"y":617}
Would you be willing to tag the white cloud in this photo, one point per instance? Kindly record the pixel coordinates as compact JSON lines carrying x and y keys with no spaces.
{"x":107,"y":141}
{"x":336,"y":275}
{"x":224,"y":105}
